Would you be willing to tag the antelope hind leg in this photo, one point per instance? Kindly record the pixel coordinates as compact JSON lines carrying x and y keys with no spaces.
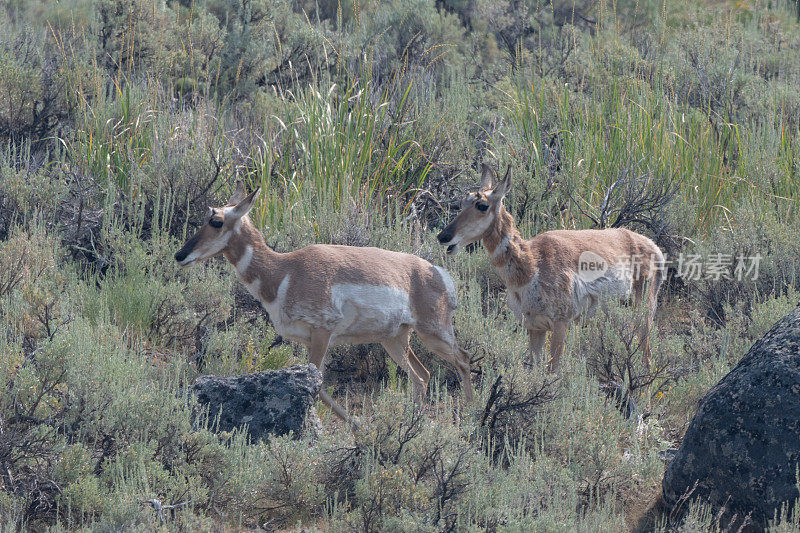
{"x":451,"y":353}
{"x":399,"y":350}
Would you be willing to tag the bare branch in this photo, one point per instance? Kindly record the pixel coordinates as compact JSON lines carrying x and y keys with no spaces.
{"x":160,"y":508}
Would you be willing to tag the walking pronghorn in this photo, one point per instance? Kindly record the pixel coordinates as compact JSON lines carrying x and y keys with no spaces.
{"x":323,"y":295}
{"x":559,"y":275}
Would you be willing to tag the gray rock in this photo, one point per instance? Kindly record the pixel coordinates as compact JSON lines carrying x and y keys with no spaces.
{"x":741,"y":452}
{"x":273,"y":402}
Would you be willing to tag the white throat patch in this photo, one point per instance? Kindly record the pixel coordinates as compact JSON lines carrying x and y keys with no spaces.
{"x":244,"y":262}
{"x":502,"y":247}
{"x":254,"y":288}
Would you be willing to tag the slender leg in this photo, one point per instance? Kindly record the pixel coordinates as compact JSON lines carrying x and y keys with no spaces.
{"x":418,"y":367}
{"x":652,"y":303}
{"x":451,"y":353}
{"x":557,"y":344}
{"x":644,"y":339}
{"x":638,"y":293}
{"x":317,"y":348}
{"x":645,"y":288}
{"x":464,"y":365}
{"x":398,"y":350}
{"x":536,"y":338}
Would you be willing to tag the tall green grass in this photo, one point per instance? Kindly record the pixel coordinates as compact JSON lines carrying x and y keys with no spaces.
{"x":624,"y":126}
{"x":337,"y":145}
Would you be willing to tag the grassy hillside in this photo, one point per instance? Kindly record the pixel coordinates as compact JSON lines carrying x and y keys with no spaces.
{"x":364,"y":122}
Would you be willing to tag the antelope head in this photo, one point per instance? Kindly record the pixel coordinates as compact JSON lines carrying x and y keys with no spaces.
{"x":221,"y":223}
{"x":479,"y":211}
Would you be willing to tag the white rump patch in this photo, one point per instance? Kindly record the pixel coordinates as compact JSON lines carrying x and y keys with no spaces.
{"x":452,"y":296}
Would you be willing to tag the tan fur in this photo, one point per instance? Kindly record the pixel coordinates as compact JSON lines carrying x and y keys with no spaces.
{"x":541,"y":274}
{"x":318,"y":267}
{"x":323,"y":295}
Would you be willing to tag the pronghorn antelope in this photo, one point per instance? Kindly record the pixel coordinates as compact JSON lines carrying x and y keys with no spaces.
{"x":323,"y":295}
{"x":559,"y":275}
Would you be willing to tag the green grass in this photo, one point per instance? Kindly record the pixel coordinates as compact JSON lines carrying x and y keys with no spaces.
{"x":157,"y":109}
{"x":335,"y":146}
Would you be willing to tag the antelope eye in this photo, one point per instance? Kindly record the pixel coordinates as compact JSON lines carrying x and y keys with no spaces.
{"x":215,"y":223}
{"x":482,"y":206}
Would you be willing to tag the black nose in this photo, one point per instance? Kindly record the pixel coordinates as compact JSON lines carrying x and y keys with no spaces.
{"x":444,"y":237}
{"x":180,"y":255}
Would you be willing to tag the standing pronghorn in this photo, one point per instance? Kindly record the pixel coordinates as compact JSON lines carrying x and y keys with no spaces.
{"x":559,"y":275}
{"x":323,"y":295}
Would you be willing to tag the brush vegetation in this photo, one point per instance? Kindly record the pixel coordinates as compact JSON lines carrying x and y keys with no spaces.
{"x":364,"y":122}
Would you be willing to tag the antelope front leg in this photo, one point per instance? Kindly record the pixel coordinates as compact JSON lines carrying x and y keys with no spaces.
{"x":320,"y":339}
{"x":557,"y":344}
{"x":644,"y":336}
{"x":652,"y":301}
{"x":536,"y":340}
{"x":645,"y":320}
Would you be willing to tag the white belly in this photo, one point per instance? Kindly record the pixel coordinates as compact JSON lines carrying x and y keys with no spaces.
{"x":369,"y":312}
{"x":354,"y":314}
{"x":537,"y":306}
{"x":617,"y":282}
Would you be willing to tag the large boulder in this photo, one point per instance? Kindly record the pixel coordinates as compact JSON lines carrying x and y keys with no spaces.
{"x":741,"y":452}
{"x":273,"y":402}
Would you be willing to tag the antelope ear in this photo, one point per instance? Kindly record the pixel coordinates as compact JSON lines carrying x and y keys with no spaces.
{"x":487,"y":176}
{"x":244,"y":206}
{"x":238,"y":194}
{"x":502,"y":188}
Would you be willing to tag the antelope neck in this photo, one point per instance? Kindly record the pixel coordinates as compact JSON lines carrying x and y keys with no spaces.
{"x":255,"y":263}
{"x":508,"y":252}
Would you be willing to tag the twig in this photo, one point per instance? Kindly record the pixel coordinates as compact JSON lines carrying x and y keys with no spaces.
{"x":277,"y":342}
